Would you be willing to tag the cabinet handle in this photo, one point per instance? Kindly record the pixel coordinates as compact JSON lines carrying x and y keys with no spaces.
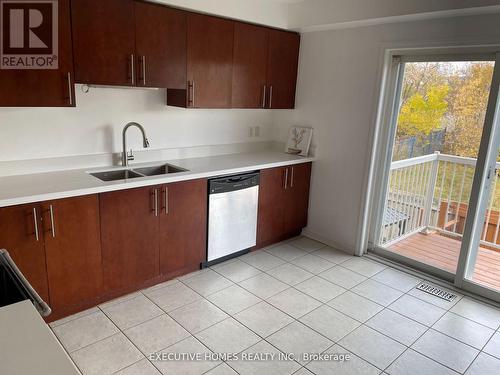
{"x":132,"y":69}
{"x":271,"y":96}
{"x":264,"y":97}
{"x":144,"y":70}
{"x":156,"y":202}
{"x":35,"y":219}
{"x":52,"y":227}
{"x":291,"y":178}
{"x":286,"y":178}
{"x":192,"y":98}
{"x":166,"y":200}
{"x":70,"y":91}
{"x":189,"y":95}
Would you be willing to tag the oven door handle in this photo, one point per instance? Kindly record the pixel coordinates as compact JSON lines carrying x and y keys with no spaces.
{"x":39,"y":303}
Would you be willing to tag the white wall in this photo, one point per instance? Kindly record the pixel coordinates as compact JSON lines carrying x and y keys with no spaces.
{"x":337,"y":94}
{"x":94,"y":126}
{"x":339,"y":74}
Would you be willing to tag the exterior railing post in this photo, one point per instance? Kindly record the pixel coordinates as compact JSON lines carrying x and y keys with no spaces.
{"x":429,"y":194}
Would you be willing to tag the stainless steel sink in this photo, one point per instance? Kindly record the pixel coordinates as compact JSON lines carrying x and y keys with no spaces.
{"x":159,"y":170}
{"x":123,"y":174}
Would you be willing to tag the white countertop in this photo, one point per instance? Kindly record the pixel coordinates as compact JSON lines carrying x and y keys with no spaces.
{"x":37,"y":187}
{"x":28,"y":346}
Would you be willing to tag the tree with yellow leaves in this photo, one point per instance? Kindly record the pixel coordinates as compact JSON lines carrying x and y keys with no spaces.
{"x":468,"y":104}
{"x":422,"y":114}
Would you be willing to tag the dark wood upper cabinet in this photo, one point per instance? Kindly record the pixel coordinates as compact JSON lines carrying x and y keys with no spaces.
{"x":209,"y":64}
{"x":160,"y":46}
{"x":129,"y":237}
{"x":283,"y":58}
{"x":183,"y":227}
{"x":43,"y":87}
{"x":264,"y":67}
{"x":73,"y":249}
{"x":249,"y":87}
{"x":203,"y":61}
{"x":21,"y":235}
{"x":104,"y":42}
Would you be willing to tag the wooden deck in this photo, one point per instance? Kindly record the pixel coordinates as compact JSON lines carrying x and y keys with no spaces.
{"x":442,"y":252}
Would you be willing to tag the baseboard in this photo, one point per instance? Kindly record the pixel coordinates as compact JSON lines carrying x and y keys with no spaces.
{"x":426,"y":276}
{"x":328,"y":241}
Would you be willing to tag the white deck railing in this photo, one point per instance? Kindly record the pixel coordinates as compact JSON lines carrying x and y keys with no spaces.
{"x":431,"y":193}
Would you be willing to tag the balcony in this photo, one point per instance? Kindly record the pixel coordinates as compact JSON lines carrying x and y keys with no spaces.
{"x":425,"y":213}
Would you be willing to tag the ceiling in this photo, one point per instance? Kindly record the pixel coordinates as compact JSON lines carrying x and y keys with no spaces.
{"x":312,"y":15}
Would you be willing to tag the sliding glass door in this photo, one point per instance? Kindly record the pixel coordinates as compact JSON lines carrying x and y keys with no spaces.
{"x":440,"y":200}
{"x":479,"y":264}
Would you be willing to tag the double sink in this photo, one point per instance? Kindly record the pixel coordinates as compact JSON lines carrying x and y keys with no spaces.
{"x":125,"y":174}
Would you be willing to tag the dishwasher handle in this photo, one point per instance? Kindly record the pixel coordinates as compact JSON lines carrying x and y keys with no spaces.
{"x":238,"y":179}
{"x":233,"y":183}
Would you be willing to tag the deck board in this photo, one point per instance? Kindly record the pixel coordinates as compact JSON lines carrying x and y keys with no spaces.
{"x":443,"y":252}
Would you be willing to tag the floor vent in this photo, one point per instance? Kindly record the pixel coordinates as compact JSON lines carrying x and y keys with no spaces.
{"x":436,"y":291}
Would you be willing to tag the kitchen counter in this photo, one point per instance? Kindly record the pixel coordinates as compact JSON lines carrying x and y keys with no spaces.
{"x":27,"y":345}
{"x":37,"y":187}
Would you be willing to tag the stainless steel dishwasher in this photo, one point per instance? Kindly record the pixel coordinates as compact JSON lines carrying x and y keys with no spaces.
{"x":232,"y":215}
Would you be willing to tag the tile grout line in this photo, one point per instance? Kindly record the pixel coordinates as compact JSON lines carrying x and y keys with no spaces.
{"x":294,"y":319}
{"x":190,"y":334}
{"x":427,"y":330}
{"x":289,"y":286}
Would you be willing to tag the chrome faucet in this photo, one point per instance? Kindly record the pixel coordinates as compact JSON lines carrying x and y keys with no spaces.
{"x":145,"y":143}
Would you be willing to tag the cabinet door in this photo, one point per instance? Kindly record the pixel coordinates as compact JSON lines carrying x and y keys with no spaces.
{"x":183,"y":227}
{"x":282,"y":67}
{"x":21,"y":235}
{"x":73,"y":248}
{"x":297,"y":197}
{"x":130,"y":237}
{"x":104,"y":41}
{"x":43,"y":87}
{"x":249,"y":66}
{"x":271,"y":224}
{"x":160,"y":46}
{"x":209,"y":61}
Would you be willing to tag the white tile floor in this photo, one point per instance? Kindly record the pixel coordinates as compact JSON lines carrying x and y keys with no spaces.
{"x":296,"y":297}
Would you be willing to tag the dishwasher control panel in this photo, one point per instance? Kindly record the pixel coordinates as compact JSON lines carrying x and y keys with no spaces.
{"x":232,"y":183}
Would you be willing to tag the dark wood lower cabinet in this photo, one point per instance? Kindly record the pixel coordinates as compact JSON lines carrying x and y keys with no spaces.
{"x":130,"y":237}
{"x":297,"y":197}
{"x":21,"y":235}
{"x":283,"y":202}
{"x":271,"y":224}
{"x":73,"y":249}
{"x":152,"y":233}
{"x":183,"y":227}
{"x":57,"y":247}
{"x":78,"y":252}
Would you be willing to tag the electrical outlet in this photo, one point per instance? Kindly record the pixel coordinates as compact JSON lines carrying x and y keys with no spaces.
{"x":250,"y":131}
{"x":256,"y":131}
